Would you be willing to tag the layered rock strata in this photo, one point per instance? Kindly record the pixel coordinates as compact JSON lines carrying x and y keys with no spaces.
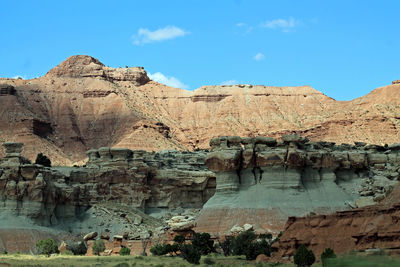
{"x":262,"y":182}
{"x":142,"y":180}
{"x":372,"y":227}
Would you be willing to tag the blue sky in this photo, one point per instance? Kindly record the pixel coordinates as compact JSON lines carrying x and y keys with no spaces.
{"x":342,"y":48}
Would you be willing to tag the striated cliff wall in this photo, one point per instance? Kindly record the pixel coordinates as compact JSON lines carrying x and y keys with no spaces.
{"x":262,"y":182}
{"x":138,"y":179}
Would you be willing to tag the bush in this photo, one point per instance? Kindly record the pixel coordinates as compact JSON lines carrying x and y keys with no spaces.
{"x":125,"y":251}
{"x":241,"y":243}
{"x":256,"y":248}
{"x":78,"y":248}
{"x":226,"y":246}
{"x":304,"y":257}
{"x":203,"y":243}
{"x":67,"y":253}
{"x":159,"y":250}
{"x":180,"y":239}
{"x":47,"y":246}
{"x":327,"y":254}
{"x":191,"y":254}
{"x":43,"y":160}
{"x":98,"y":247}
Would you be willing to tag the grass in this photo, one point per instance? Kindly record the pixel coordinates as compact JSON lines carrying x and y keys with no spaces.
{"x":165,"y":261}
{"x":121,"y":261}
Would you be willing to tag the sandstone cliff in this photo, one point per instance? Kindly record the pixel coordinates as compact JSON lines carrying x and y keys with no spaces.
{"x":262,"y":182}
{"x":111,"y":192}
{"x":82,"y":104}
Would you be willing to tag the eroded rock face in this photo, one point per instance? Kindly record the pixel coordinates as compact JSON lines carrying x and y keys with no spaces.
{"x":345,"y":231}
{"x":82,"y":66}
{"x":163,"y":180}
{"x":262,"y":182}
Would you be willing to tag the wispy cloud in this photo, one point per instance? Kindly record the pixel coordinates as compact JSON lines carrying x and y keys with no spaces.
{"x":145,"y":36}
{"x":259,"y":57}
{"x":281,"y":24}
{"x":230,"y":82}
{"x":168,"y":80}
{"x":244,"y":27}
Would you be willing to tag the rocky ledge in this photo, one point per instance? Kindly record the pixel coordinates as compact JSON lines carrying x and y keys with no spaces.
{"x":159,"y":183}
{"x":82,"y":66}
{"x":262,"y":182}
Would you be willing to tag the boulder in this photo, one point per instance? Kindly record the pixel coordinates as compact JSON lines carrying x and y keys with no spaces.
{"x":90,"y":236}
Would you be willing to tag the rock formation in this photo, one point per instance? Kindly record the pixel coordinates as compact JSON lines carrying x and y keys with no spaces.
{"x":372,"y":227}
{"x":262,"y":182}
{"x":82,"y":104}
{"x":115,"y":181}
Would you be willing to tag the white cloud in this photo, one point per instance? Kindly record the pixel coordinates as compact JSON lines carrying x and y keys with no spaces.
{"x":284,"y":24}
{"x":259,"y":57}
{"x":168,"y":80}
{"x":230,"y":82}
{"x":241,"y":24}
{"x":145,"y":36}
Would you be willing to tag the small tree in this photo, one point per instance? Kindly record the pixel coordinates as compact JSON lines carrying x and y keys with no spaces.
{"x":191,"y":254}
{"x":98,"y":247}
{"x":158,"y":250}
{"x":203,"y":243}
{"x":43,"y":160}
{"x":78,"y":248}
{"x":304,"y":257}
{"x":226,"y":246}
{"x":242,"y":242}
{"x":125,"y":251}
{"x":47,"y":247}
{"x":327,"y":254}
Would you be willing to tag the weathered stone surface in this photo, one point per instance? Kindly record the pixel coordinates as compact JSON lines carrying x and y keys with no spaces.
{"x":262,"y":182}
{"x":90,"y":236}
{"x":147,"y":181}
{"x":360,"y":229}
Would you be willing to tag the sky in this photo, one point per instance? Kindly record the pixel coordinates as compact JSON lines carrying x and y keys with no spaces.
{"x":344,"y":49}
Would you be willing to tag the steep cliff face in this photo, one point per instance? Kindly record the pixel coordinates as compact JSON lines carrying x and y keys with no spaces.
{"x":82,"y":104}
{"x":373,"y":227}
{"x":262,"y":182}
{"x":34,"y":196}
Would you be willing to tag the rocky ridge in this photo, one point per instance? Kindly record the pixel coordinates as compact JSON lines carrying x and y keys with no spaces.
{"x":82,"y":104}
{"x":262,"y":182}
{"x":114,"y":191}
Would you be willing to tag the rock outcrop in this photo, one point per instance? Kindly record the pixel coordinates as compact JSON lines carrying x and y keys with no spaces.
{"x":82,"y":104}
{"x":262,"y":181}
{"x":88,"y":67}
{"x":373,"y":227}
{"x":150,"y":182}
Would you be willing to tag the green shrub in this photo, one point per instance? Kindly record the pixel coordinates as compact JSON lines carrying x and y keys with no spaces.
{"x":304,"y":257}
{"x":191,"y":254}
{"x":98,"y":247}
{"x":43,"y":160}
{"x":67,"y":253}
{"x":159,"y":250}
{"x":125,"y":251}
{"x":122,"y":264}
{"x":327,"y":254}
{"x":203,"y":243}
{"x":256,"y":248}
{"x":180,"y":239}
{"x":78,"y":248}
{"x":47,"y":246}
{"x":242,"y":242}
{"x":226,"y":246}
